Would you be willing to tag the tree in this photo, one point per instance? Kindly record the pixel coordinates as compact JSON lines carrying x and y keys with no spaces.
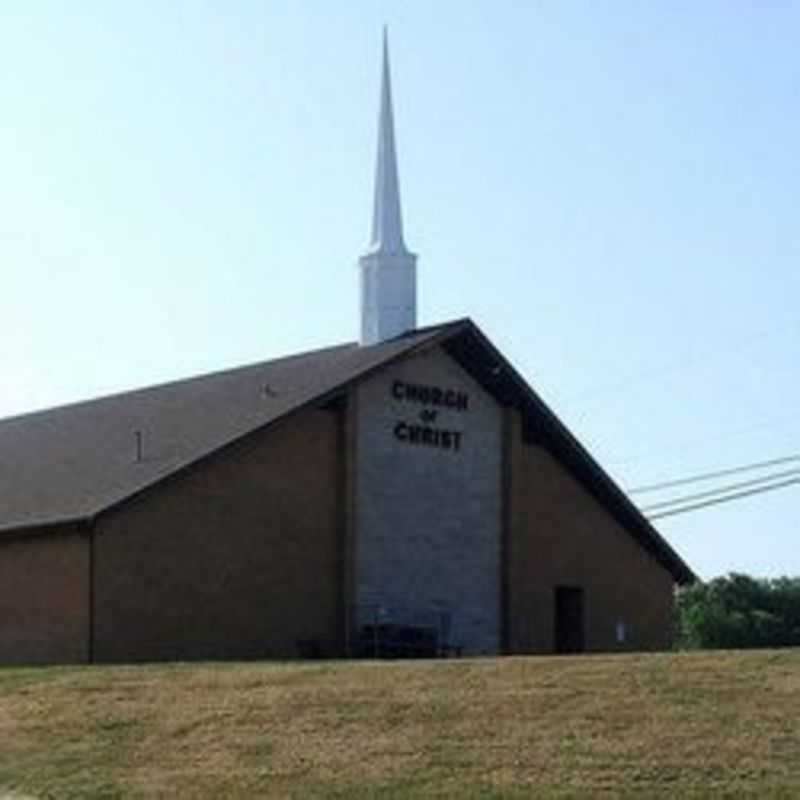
{"x":739,"y":611}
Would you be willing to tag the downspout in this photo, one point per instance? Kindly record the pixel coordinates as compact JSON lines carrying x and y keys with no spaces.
{"x":506,"y":552}
{"x":90,"y":632}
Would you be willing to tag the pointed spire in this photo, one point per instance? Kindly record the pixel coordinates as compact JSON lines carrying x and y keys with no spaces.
{"x":388,"y":270}
{"x":387,"y":223}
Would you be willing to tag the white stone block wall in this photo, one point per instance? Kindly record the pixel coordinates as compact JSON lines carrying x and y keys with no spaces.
{"x":428,"y":516}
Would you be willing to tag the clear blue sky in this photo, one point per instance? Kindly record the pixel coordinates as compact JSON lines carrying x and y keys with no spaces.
{"x":609,"y":189}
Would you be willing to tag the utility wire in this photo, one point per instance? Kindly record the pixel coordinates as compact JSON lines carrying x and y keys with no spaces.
{"x":695,"y":506}
{"x":720,"y":473}
{"x":790,"y":473}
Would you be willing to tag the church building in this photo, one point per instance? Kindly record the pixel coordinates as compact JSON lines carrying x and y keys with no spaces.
{"x":408,"y":494}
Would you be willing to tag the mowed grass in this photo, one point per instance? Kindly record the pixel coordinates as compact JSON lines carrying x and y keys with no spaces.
{"x":664,"y":725}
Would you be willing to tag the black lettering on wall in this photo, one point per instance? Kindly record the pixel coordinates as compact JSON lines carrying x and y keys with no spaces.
{"x":430,"y":395}
{"x":411,"y":433}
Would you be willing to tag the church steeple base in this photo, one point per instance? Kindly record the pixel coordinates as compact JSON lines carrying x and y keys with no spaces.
{"x":386,"y":281}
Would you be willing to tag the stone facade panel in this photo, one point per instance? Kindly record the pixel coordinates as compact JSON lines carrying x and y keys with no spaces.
{"x":428,"y":459}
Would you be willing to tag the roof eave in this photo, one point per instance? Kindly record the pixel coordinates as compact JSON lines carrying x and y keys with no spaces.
{"x":513,"y":389}
{"x":43,"y":527}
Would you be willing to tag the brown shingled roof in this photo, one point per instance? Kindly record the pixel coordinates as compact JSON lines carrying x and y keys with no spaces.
{"x":73,"y":462}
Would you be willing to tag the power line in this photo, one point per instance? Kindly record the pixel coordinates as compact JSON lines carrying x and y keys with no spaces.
{"x":721,"y":473}
{"x":694,"y":507}
{"x":723,"y":489}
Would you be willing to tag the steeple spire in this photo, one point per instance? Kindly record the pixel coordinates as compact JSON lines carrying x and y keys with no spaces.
{"x":387,"y":222}
{"x":388,"y":269}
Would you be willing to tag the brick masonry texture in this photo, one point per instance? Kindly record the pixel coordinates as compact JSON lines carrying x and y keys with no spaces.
{"x":44,"y":599}
{"x":238,"y":558}
{"x":559,"y":535}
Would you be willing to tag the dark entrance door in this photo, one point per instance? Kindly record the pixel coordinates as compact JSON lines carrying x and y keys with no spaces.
{"x":569,"y":625}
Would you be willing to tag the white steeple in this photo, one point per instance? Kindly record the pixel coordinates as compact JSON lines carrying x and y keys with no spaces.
{"x":388,"y":269}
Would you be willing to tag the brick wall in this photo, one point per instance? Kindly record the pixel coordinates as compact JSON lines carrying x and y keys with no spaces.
{"x":44,"y":598}
{"x":559,"y":535}
{"x":238,"y":557}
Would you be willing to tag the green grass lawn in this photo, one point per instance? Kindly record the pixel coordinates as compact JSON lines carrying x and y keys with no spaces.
{"x":667,"y":725}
